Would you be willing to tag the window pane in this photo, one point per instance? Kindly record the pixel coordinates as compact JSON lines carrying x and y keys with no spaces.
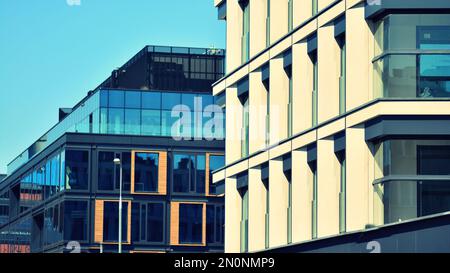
{"x":151,"y":100}
{"x":126,"y":171}
{"x":210,"y":209}
{"x":132,"y":99}
{"x":75,"y":220}
{"x":132,"y":121}
{"x":191,"y":216}
{"x":111,"y":221}
{"x":167,"y":122}
{"x":135,"y":221}
{"x":181,"y":169}
{"x":151,"y":122}
{"x":200,"y":173}
{"x":170,"y":100}
{"x":105,"y":171}
{"x":104,"y":98}
{"x":155,"y":224}
{"x":434,"y":76}
{"x":116,"y":98}
{"x":146,"y":172}
{"x":77,"y":164}
{"x":115,"y":121}
{"x":215,"y":162}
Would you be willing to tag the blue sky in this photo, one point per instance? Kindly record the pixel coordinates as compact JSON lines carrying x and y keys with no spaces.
{"x":52,"y":53}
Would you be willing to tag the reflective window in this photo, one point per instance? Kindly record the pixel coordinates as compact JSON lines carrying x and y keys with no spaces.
{"x":155,"y":222}
{"x":111,"y":221}
{"x":215,"y":162}
{"x":105,"y":171}
{"x":215,"y":216}
{"x":133,"y":99}
{"x":200,"y":172}
{"x":77,"y":166}
{"x":151,"y":100}
{"x":116,"y":98}
{"x":132,"y":122}
{"x":75,"y":220}
{"x":191,"y":223}
{"x":115,"y":121}
{"x":182,"y":165}
{"x":146,"y":172}
{"x":170,"y":100}
{"x":151,"y":123}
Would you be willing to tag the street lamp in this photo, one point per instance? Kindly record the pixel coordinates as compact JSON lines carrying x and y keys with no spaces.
{"x":117,"y":163}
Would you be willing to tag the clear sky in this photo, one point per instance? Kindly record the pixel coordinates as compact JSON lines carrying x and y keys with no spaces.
{"x":52,"y":53}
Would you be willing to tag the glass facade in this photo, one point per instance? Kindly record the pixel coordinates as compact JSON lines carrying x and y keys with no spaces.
{"x":412,"y":56}
{"x":413,"y":179}
{"x":191,"y":224}
{"x":146,"y":172}
{"x":111,"y":221}
{"x":189,"y":173}
{"x":76,"y":220}
{"x":143,"y":113}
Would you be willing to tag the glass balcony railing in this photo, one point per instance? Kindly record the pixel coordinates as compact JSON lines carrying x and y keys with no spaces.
{"x":401,"y":199}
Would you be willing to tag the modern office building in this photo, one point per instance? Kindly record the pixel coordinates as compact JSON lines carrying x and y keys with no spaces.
{"x":338,"y":125}
{"x":149,"y":132}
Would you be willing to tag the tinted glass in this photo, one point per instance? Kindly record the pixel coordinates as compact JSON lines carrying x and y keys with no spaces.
{"x":77,"y":166}
{"x":116,"y":98}
{"x":132,"y":122}
{"x":155,"y":222}
{"x":151,"y":122}
{"x":133,"y":99}
{"x":170,"y":100}
{"x":105,"y":171}
{"x":75,"y":220}
{"x":151,"y":100}
{"x":111,"y":221}
{"x":146,"y":172}
{"x":115,"y":121}
{"x":182,"y":164}
{"x":200,"y":174}
{"x":191,"y":216}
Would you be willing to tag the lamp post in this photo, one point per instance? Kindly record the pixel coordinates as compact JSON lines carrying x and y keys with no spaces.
{"x":117,"y":162}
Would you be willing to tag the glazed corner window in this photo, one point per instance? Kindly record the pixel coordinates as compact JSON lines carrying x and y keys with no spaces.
{"x":189,"y":173}
{"x":146,"y":172}
{"x":111,"y":221}
{"x":75,"y":220}
{"x":77,"y":166}
{"x":191,"y":224}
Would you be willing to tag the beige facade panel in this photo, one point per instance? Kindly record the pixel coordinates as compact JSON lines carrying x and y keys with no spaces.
{"x":237,"y":168}
{"x":278,"y":20}
{"x":257,"y":210}
{"x":219,"y":87}
{"x":233,"y":213}
{"x":329,"y":69}
{"x":258,"y":14}
{"x":258,"y":111}
{"x":237,"y":76}
{"x":332,"y":13}
{"x":233,"y":124}
{"x":328,"y":169}
{"x":219,"y":176}
{"x":331,"y":128}
{"x":279,"y":90}
{"x":302,"y":85}
{"x":234,"y":33}
{"x":280,"y":47}
{"x":352,"y":3}
{"x":278,"y":204}
{"x":305,"y":31}
{"x":302,"y":12}
{"x":280,"y":150}
{"x":324,"y":3}
{"x":258,"y":159}
{"x":357,"y":195}
{"x":259,"y":61}
{"x":358,"y":58}
{"x":301,"y":204}
{"x":304,"y":140}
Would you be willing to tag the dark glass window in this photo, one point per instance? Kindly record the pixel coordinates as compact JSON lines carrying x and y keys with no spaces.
{"x":200,"y":171}
{"x":104,"y":98}
{"x":155,"y":222}
{"x":132,"y":99}
{"x":146,"y":172}
{"x":182,"y":165}
{"x":151,"y":100}
{"x":135,"y":221}
{"x":190,"y":230}
{"x":210,"y":225}
{"x":433,"y":160}
{"x":77,"y":166}
{"x":111,"y":221}
{"x":105,"y":171}
{"x":126,"y":171}
{"x":116,"y":98}
{"x":75,"y":220}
